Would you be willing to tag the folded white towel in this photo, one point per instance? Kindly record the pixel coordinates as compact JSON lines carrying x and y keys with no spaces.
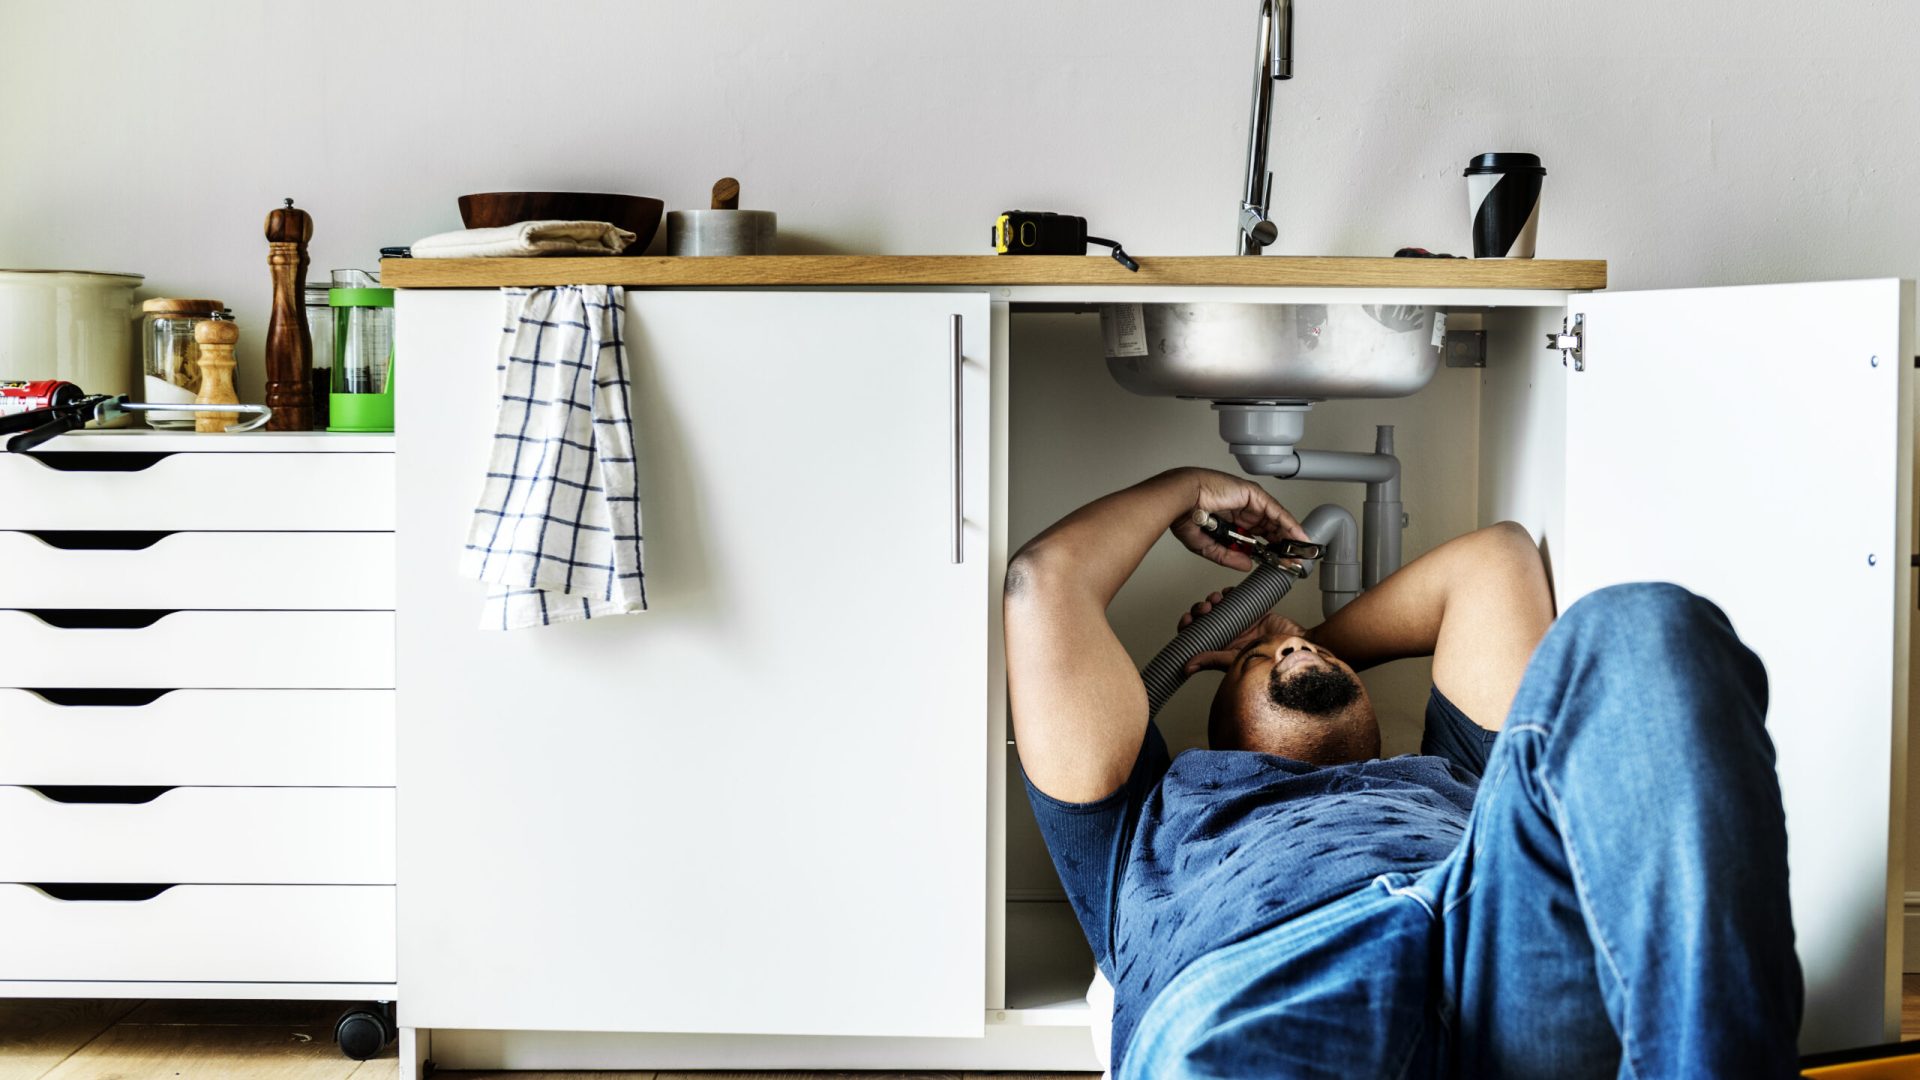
{"x":557,"y":527}
{"x":526,"y":238}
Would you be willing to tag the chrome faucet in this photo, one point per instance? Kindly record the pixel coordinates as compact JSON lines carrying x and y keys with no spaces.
{"x":1274,"y":61}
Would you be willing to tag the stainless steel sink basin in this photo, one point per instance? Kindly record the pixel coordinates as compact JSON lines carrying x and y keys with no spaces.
{"x":1270,"y":352}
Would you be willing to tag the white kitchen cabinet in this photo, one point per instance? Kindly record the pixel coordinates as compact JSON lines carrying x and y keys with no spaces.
{"x":571,"y":895}
{"x":761,"y":805}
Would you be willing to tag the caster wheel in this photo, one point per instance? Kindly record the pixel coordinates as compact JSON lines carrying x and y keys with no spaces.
{"x":363,"y":1031}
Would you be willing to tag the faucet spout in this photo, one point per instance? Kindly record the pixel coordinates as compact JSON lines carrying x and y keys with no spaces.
{"x":1273,"y":61}
{"x":1283,"y":39}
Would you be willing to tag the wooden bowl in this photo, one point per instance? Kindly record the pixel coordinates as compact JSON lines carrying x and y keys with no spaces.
{"x":637,"y":214}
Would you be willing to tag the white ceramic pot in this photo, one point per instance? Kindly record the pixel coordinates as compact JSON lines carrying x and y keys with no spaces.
{"x":69,"y":324}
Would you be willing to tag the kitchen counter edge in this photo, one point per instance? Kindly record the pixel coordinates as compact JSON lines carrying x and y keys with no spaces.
{"x":762,"y":271}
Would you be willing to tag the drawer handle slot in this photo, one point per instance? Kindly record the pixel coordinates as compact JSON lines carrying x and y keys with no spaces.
{"x":99,"y":618}
{"x":98,"y":539}
{"x":67,"y":696}
{"x":123,"y":794}
{"x":103,"y":461}
{"x":67,"y":890}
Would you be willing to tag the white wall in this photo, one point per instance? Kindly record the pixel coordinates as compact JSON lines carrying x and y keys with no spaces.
{"x":1714,"y":142}
{"x":1701,"y":143}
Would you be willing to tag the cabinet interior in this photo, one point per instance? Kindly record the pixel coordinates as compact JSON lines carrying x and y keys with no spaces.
{"x":1477,"y":445}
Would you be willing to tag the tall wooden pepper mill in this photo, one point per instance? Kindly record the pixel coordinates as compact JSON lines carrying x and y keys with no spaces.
{"x":289,"y":345}
{"x":215,"y":337}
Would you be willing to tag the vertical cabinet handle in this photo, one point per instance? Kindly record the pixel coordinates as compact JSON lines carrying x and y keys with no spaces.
{"x":959,"y":447}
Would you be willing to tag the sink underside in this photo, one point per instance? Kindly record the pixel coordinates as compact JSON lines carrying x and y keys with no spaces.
{"x":1271,"y":352}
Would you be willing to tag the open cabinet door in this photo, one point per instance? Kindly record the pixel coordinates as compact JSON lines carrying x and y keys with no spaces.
{"x":1754,"y":445}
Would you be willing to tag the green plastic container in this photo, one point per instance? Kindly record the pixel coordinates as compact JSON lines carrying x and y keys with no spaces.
{"x":360,"y":397}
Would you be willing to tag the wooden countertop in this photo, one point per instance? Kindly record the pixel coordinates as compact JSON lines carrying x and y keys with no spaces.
{"x":871,"y":270}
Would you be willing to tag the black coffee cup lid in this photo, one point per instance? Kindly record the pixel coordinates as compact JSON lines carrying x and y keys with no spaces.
{"x":1505,"y":163}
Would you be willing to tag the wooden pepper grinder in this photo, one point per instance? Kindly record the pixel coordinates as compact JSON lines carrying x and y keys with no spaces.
{"x":216,"y":337}
{"x":289,"y":345}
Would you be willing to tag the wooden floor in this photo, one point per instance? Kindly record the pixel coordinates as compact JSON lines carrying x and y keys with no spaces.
{"x":290,"y":1040}
{"x":257,"y":1040}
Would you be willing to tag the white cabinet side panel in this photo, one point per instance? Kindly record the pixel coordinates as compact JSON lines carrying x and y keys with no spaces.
{"x":1752,"y":444}
{"x":1523,"y":417}
{"x":760,"y":805}
{"x":998,"y":753}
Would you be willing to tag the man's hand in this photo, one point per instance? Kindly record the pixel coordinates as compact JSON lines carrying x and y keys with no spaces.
{"x":1269,"y":625}
{"x":1243,"y":504}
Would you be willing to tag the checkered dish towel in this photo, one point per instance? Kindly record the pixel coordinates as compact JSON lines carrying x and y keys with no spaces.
{"x":557,"y":529}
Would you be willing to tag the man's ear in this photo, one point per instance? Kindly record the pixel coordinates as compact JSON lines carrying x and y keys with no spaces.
{"x":1217,"y":660}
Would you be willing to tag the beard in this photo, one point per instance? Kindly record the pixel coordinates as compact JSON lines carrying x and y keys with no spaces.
{"x":1316,"y":691}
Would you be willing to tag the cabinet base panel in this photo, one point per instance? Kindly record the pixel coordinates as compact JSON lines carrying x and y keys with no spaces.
{"x":1005,"y":1046}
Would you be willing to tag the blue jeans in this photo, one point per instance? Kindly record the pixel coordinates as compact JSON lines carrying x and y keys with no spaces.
{"x":1618,"y":906}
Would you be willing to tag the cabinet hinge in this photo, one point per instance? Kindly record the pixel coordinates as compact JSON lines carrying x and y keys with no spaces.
{"x":1569,"y":340}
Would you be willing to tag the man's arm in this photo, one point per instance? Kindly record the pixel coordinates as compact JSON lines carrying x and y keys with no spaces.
{"x":1079,"y":708}
{"x":1477,"y":604}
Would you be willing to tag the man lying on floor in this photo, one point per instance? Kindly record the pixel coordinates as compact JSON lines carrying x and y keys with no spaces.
{"x":1601,"y":890}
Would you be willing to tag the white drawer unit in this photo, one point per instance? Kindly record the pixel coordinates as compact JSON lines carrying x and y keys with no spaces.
{"x":208,"y":835}
{"x":197,"y":737}
{"x":198,"y":933}
{"x":197,"y":716}
{"x":96,"y":569}
{"x":241,"y":649}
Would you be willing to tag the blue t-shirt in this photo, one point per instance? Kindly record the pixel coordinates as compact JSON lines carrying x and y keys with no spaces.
{"x":1208,"y":849}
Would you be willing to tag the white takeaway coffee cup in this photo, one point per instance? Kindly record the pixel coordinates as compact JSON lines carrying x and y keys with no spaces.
{"x":1503,"y":204}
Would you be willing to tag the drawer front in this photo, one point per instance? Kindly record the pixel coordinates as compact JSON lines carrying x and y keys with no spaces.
{"x":198,"y":491}
{"x":264,"y":738}
{"x":230,"y":649}
{"x":202,"y":933}
{"x":235,"y":570}
{"x":204,"y":835}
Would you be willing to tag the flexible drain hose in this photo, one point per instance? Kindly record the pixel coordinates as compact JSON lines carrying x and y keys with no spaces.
{"x":1236,"y":611}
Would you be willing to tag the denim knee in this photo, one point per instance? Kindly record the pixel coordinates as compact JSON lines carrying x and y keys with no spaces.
{"x":1654,"y":640}
{"x":1659,"y":606}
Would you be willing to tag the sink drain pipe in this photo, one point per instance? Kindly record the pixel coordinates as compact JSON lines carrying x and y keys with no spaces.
{"x":1262,"y":436}
{"x":1381,"y":514}
{"x":1332,"y":527}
